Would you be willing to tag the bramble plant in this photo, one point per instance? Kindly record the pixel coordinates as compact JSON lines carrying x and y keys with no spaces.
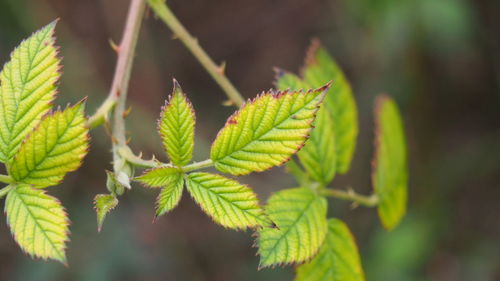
{"x":313,"y":116}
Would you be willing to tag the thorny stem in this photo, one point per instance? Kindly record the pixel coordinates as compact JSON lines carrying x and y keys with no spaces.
{"x":118,"y":93}
{"x":126,"y":50}
{"x":135,"y":160}
{"x":351,"y":195}
{"x":217,"y":72}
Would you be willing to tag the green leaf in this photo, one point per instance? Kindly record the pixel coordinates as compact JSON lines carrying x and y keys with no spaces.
{"x":104,"y":203}
{"x":176,"y":127}
{"x":338,"y":259}
{"x":300,"y":217}
{"x":55,"y":147}
{"x":27,"y":88}
{"x":159,"y":177}
{"x":266,"y":131}
{"x":319,"y":69}
{"x":170,"y":196}
{"x":228,"y":202}
{"x":390,"y":174}
{"x":38,"y":222}
{"x":339,"y":102}
{"x":318,"y":156}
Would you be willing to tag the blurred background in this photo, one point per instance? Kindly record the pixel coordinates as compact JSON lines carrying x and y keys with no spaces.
{"x":440,"y":60}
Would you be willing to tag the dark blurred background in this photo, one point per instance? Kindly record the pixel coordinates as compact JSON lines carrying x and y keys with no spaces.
{"x":440,"y":59}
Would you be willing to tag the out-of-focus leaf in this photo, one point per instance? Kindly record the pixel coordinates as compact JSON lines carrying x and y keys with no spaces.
{"x":390,"y":171}
{"x":338,"y":259}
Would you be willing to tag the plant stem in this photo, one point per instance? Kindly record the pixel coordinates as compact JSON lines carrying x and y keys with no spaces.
{"x":121,"y":79}
{"x":198,"y":165}
{"x":5,"y":190}
{"x":217,"y":72}
{"x":102,"y":112}
{"x":126,"y":50}
{"x":6,"y":179}
{"x":350,"y":195}
{"x":135,"y":160}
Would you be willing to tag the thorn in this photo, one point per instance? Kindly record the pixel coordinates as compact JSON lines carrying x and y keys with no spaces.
{"x":128,"y":140}
{"x":222,"y":68}
{"x":175,"y":37}
{"x":127,"y":112}
{"x":113,"y":45}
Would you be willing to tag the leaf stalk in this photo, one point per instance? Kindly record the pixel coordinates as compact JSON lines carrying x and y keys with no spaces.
{"x":351,"y":195}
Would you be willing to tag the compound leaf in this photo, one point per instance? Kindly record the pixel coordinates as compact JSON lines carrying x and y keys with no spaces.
{"x":266,"y":131}
{"x":300,"y":217}
{"x":337,"y":260}
{"x":390,"y":174}
{"x":55,"y":147}
{"x":27,"y":88}
{"x":104,"y":203}
{"x":228,"y":202}
{"x":159,"y":177}
{"x":319,"y":69}
{"x":176,"y":126}
{"x":38,"y":222}
{"x":169,"y":196}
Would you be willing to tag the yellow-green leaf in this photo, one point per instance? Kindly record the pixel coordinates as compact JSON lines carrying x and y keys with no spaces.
{"x":176,"y":127}
{"x":266,"y":131}
{"x":104,"y":203}
{"x":318,"y":156}
{"x":55,"y":147}
{"x":159,"y":177}
{"x":38,"y":222}
{"x":170,"y":196}
{"x":390,"y":175}
{"x":228,"y":202}
{"x":27,"y":88}
{"x":319,"y":69}
{"x":337,"y":260}
{"x":300,"y":217}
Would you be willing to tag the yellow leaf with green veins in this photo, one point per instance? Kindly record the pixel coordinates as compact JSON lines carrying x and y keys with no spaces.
{"x":159,"y":177}
{"x":337,"y":260}
{"x":170,"y":196}
{"x":27,"y":88}
{"x":266,"y":131}
{"x":228,"y":202}
{"x":54,"y":148}
{"x":390,"y":174}
{"x":38,"y":222}
{"x":300,"y":218}
{"x":176,"y":126}
{"x":319,"y":69}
